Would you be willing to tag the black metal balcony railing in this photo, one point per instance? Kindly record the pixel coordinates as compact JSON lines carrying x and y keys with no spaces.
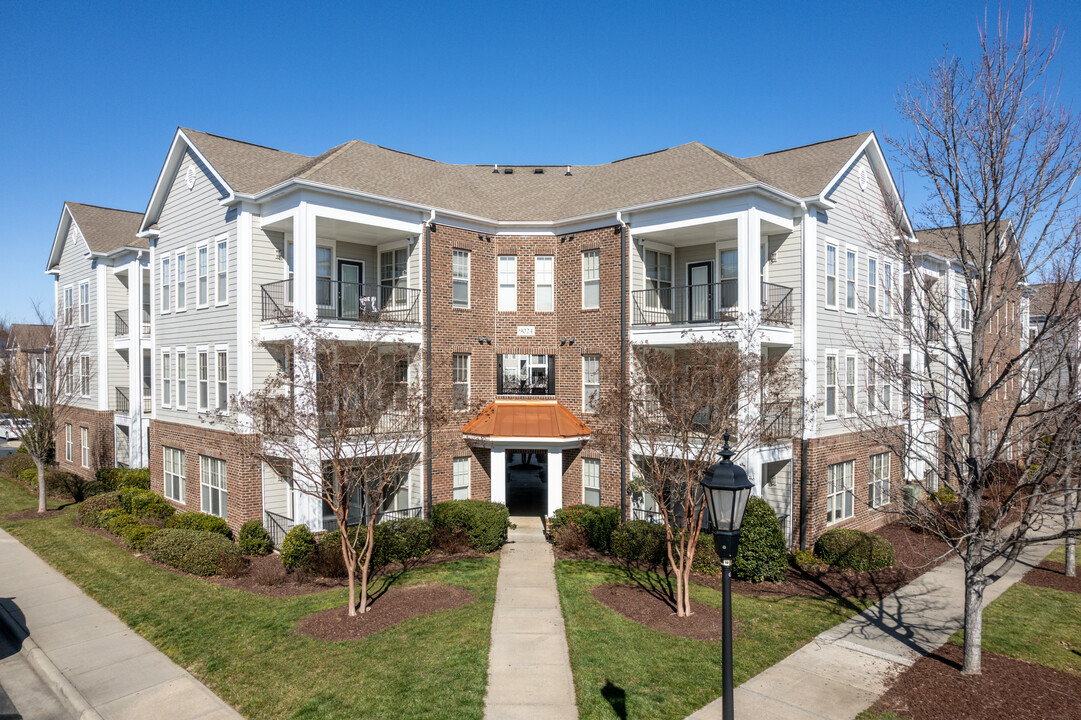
{"x":120,"y":323}
{"x":777,"y":420}
{"x":123,"y":404}
{"x":385,"y":515}
{"x":353,"y":302}
{"x":934,"y":330}
{"x":652,"y":516}
{"x":710,"y":303}
{"x":277,"y":526}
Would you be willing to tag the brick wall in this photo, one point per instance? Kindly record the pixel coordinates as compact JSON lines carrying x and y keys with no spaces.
{"x":100,"y":429}
{"x":243,"y":474}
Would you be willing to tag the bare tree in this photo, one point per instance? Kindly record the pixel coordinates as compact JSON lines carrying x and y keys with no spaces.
{"x":347,"y":423}
{"x":675,"y":409}
{"x":44,"y":386}
{"x":990,"y":448}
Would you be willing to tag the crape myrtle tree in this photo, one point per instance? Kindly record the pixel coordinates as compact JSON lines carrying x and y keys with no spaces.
{"x":43,"y":390}
{"x":973,"y":415}
{"x":674,"y":410}
{"x":347,"y":423}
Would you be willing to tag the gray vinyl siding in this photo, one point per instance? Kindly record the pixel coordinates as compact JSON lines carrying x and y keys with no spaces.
{"x":684,"y":256}
{"x":785,"y":267}
{"x":858,"y":222}
{"x":352,"y":251}
{"x":275,"y":492}
{"x":777,"y":491}
{"x":268,"y":265}
{"x":188,"y":218}
{"x":75,"y":268}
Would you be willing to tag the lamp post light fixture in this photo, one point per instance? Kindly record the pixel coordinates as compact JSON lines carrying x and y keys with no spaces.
{"x":727,"y":490}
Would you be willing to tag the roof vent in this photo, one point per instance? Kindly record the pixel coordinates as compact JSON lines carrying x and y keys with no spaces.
{"x":567,"y":174}
{"x":495,"y":168}
{"x":538,"y":171}
{"x":508,"y":171}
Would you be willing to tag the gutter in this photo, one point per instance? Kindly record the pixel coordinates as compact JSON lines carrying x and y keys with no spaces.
{"x":803,"y":404}
{"x":622,"y":360}
{"x":428,"y":361}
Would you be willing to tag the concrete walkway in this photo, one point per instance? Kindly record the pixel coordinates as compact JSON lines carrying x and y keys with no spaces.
{"x":96,"y":666}
{"x":529,"y":671}
{"x":844,"y":670}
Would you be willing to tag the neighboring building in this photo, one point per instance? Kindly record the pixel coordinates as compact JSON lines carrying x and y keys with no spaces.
{"x":1059,"y":358}
{"x":27,"y":350}
{"x":514,"y":288}
{"x":102,"y":275}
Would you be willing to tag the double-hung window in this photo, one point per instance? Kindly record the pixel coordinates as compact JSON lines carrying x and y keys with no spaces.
{"x":831,"y":385}
{"x":181,"y":281}
{"x":323,"y":267}
{"x":69,"y":376}
{"x":872,"y":383}
{"x":460,"y":381}
{"x":872,"y":285}
{"x":202,"y":275}
{"x":67,"y":442}
{"x":887,"y":288}
{"x":84,"y":303}
{"x":212,"y":486}
{"x":222,"y":257}
{"x":84,"y":443}
{"x":166,"y":379}
{"x":222,"y":379}
{"x":166,"y":284}
{"x":204,"y":380}
{"x":591,"y":382}
{"x":850,"y":280}
{"x":831,"y":276}
{"x":69,"y":306}
{"x":591,"y":279}
{"x":461,"y":478}
{"x":84,"y":375}
{"x":878,"y":491}
{"x":591,"y":481}
{"x":850,"y":384}
{"x":181,"y":379}
{"x":393,"y":276}
{"x":174,"y":474}
{"x":508,"y":283}
{"x":839,"y":490}
{"x":460,"y":272}
{"x":544,"y":283}
{"x":966,"y":311}
{"x":659,"y":279}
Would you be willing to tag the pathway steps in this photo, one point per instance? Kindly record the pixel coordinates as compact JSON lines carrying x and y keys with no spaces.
{"x":529,"y":672}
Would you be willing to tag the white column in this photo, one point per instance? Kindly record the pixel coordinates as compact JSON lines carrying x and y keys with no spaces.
{"x":101,"y":334}
{"x":499,"y":475}
{"x":555,"y":480}
{"x":304,"y":261}
{"x":244,"y":300}
{"x":809,"y":319}
{"x":140,"y":454}
{"x":749,"y":246}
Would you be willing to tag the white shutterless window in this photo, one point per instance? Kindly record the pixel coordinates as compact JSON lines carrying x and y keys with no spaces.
{"x":212,"y":486}
{"x":850,"y":384}
{"x":84,"y":303}
{"x":84,"y":443}
{"x":203,"y":275}
{"x":460,"y":381}
{"x":591,"y":278}
{"x":544,"y":283}
{"x":203,"y":369}
{"x":461,"y":478}
{"x":850,"y":281}
{"x":222,"y":257}
{"x":181,"y":281}
{"x":839,"y":491}
{"x":181,"y":379}
{"x":222,"y":380}
{"x":831,"y":385}
{"x":872,"y":285}
{"x":166,"y":379}
{"x":166,"y":284}
{"x":69,"y":306}
{"x":174,"y":474}
{"x":878,"y":490}
{"x":67,"y":442}
{"x":591,"y":382}
{"x":508,"y":283}
{"x":460,"y":281}
{"x":591,"y":481}
{"x":831,"y":276}
{"x":887,"y":288}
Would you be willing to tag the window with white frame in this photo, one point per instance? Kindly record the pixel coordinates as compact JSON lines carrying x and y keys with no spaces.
{"x":84,"y":375}
{"x":69,"y":306}
{"x":878,"y":490}
{"x":67,"y":442}
{"x":212,"y":487}
{"x":850,"y":384}
{"x":544,"y":283}
{"x":222,"y":281}
{"x":508,"y":283}
{"x":69,"y":376}
{"x":202,"y":274}
{"x":181,"y":281}
{"x":181,"y":379}
{"x":591,"y":382}
{"x":84,"y":443}
{"x":394,"y":273}
{"x":460,"y":381}
{"x":850,"y":280}
{"x":222,"y":378}
{"x":831,"y":385}
{"x":591,"y":481}
{"x":839,"y":490}
{"x":166,"y":284}
{"x":461,"y":478}
{"x":831,"y":276}
{"x":887,"y":288}
{"x":872,"y":383}
{"x":966,"y":311}
{"x":591,"y":278}
{"x":174,"y":474}
{"x":84,"y":303}
{"x":166,"y":379}
{"x":658,"y":279}
{"x":203,"y":369}
{"x":872,"y":285}
{"x":886,"y":403}
{"x":324,"y":296}
{"x":460,"y":282}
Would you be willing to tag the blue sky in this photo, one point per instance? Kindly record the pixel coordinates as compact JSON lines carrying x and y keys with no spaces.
{"x":93,"y":92}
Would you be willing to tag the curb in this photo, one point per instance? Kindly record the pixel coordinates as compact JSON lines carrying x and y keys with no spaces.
{"x":68,"y":695}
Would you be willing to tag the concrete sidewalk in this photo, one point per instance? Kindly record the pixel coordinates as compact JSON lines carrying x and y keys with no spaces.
{"x":96,"y":665}
{"x":529,"y":670}
{"x":844,"y":670}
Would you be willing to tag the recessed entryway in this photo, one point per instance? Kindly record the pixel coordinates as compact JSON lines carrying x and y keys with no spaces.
{"x":527,"y":482}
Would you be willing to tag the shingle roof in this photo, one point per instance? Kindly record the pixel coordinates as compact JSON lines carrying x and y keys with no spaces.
{"x":106,"y":229}
{"x":945,"y":241}
{"x":525,"y":194}
{"x":30,"y":337}
{"x":526,"y":419}
{"x":1049,"y":297}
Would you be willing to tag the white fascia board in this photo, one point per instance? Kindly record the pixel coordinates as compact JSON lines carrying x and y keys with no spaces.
{"x":877,"y":158}
{"x":527,"y":443}
{"x":359,"y":218}
{"x":66,"y":219}
{"x":168,"y":170}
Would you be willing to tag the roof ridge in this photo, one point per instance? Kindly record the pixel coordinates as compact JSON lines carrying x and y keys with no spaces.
{"x":103,"y":207}
{"x":808,"y":145}
{"x":239,"y":142}
{"x":731,"y":162}
{"x":322,"y":159}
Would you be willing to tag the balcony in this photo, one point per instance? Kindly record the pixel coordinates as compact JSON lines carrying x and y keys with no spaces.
{"x":776,"y":421}
{"x":121,"y":402}
{"x":707,"y":304}
{"x":346,"y":302}
{"x":120,"y":323}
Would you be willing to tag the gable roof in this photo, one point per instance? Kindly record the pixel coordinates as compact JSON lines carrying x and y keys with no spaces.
{"x":30,"y":337}
{"x":533,"y":419}
{"x":105,"y":230}
{"x":806,"y":170}
{"x":945,"y":241}
{"x":1050,"y":297}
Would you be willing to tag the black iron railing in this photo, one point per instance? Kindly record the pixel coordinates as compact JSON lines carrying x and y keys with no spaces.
{"x":934,"y":330}
{"x":652,"y":516}
{"x":123,"y":403}
{"x":386,"y":515}
{"x":277,"y":526}
{"x":777,"y":420}
{"x":776,"y":304}
{"x":351,"y":302}
{"x":120,"y":323}
{"x":710,"y":303}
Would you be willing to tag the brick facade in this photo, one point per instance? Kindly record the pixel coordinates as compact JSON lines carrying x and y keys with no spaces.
{"x":99,"y":425}
{"x":243,"y":474}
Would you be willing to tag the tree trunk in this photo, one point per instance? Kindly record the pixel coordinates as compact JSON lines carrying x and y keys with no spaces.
{"x":369,"y":544}
{"x":41,"y":484}
{"x":351,"y":570}
{"x":974,"y":587}
{"x":1071,"y":523}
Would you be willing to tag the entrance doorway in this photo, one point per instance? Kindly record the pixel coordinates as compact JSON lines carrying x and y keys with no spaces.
{"x":527,"y":482}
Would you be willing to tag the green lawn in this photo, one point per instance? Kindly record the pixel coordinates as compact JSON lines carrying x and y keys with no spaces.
{"x":660,"y":676}
{"x":243,"y":646}
{"x":1059,"y":556}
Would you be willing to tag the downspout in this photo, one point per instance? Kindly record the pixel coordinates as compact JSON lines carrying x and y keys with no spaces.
{"x":622,"y":360}
{"x":428,"y":361}
{"x":803,"y":404}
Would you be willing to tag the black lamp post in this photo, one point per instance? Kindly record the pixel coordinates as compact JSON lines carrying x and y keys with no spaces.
{"x":727,"y":489}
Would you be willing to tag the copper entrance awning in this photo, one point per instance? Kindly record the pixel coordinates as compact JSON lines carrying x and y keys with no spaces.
{"x":526,"y":420}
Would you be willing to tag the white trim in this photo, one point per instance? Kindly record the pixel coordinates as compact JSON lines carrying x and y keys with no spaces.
{"x":220,"y":350}
{"x":180,"y":299}
{"x":582,"y":262}
{"x":826,"y":274}
{"x":223,"y":238}
{"x":199,"y":247}
{"x":163,"y":284}
{"x":181,"y":397}
{"x":166,"y":397}
{"x":468,"y":278}
{"x":173,"y":160}
{"x":537,"y":285}
{"x":200,"y":352}
{"x":499,"y":286}
{"x":101,"y":334}
{"x":244,"y":304}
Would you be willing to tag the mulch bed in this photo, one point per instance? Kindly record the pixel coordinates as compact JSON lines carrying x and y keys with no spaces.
{"x":1052,"y":575}
{"x":390,"y":608}
{"x":30,"y":515}
{"x":653,"y":608}
{"x":935,"y":689}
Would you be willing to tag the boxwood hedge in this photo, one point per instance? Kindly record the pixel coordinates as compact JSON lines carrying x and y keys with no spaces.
{"x":195,"y":551}
{"x":484,"y":523}
{"x":854,"y":549}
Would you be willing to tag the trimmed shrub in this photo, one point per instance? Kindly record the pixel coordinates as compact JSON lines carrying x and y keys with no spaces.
{"x":16,"y":462}
{"x":570,"y":539}
{"x":327,"y":559}
{"x":762,"y":556}
{"x":116,"y":478}
{"x":135,"y":534}
{"x":144,"y":503}
{"x":298,"y":546}
{"x":30,"y":477}
{"x":200,"y":521}
{"x":706,"y":560}
{"x":806,"y":560}
{"x":74,"y":486}
{"x":596,"y":523}
{"x":254,"y":539}
{"x":485,"y":523}
{"x":854,"y":549}
{"x":116,"y":521}
{"x":640,"y":540}
{"x":90,"y":510}
{"x":412,"y":538}
{"x":195,"y":551}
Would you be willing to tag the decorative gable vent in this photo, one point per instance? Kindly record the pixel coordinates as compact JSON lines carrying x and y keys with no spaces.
{"x":189,"y":177}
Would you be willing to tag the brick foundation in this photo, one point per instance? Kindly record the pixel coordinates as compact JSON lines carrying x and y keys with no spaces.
{"x":100,"y":427}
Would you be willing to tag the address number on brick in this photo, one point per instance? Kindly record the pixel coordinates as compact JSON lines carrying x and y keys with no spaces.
{"x":526,"y":331}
